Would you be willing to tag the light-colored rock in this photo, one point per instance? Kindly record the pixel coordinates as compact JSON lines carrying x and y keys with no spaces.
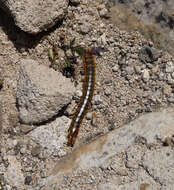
{"x":102,"y":40}
{"x":169,"y":67}
{"x":52,"y":137}
{"x":35,"y":16}
{"x":145,"y":75}
{"x":160,"y":165}
{"x":41,"y":92}
{"x":98,"y":152}
{"x":14,"y":175}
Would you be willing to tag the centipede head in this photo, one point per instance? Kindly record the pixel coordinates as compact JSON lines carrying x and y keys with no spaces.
{"x":72,"y":135}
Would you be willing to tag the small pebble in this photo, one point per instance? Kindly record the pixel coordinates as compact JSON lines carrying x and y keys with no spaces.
{"x":171,"y":100}
{"x":107,"y":91}
{"x":89,"y":116}
{"x":145,"y":75}
{"x":169,"y":67}
{"x":23,"y":150}
{"x":172,"y":75}
{"x":103,"y":13}
{"x":85,"y":28}
{"x":137,"y":69}
{"x":36,"y":151}
{"x":78,"y":93}
{"x":115,"y":68}
{"x":97,"y":100}
{"x":28,"y":180}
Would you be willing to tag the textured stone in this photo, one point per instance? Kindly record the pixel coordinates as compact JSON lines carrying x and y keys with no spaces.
{"x":169,"y":67}
{"x":98,"y":152}
{"x":41,"y":92}
{"x":14,"y":174}
{"x":35,"y":16}
{"x":160,"y":165}
{"x":51,"y":137}
{"x":145,"y":75}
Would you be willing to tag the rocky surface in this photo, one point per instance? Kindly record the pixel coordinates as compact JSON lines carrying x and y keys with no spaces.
{"x":128,"y":131}
{"x":41,"y":92}
{"x":137,"y":143}
{"x":37,"y":16}
{"x":154,"y":19}
{"x":14,"y":174}
{"x":50,"y":138}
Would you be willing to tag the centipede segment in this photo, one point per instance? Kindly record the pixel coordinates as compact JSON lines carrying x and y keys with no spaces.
{"x":88,"y":90}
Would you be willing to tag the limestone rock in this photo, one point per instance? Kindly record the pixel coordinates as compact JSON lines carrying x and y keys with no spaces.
{"x":106,"y":148}
{"x":41,"y":92}
{"x":35,"y":16}
{"x":52,"y":137}
{"x":14,"y":174}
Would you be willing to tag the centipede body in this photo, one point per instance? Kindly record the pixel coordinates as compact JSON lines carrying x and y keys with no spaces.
{"x":88,"y":91}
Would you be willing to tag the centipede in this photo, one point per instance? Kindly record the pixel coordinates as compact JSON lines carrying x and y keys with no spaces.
{"x":89,"y":66}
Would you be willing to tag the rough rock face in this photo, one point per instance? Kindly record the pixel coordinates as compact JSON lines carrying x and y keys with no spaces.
{"x":132,"y":77}
{"x":14,"y":174}
{"x":157,"y":15}
{"x":137,"y":140}
{"x":41,"y":92}
{"x":36,"y":15}
{"x":52,"y":137}
{"x":158,"y":11}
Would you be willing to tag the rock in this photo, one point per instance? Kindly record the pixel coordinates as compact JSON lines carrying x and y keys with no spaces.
{"x":14,"y":175}
{"x":108,"y":91}
{"x":41,"y":92}
{"x":103,"y":12}
{"x":28,"y":180}
{"x":115,"y":68}
{"x":148,"y":54}
{"x":78,"y":93}
{"x":145,"y":75}
{"x":51,"y":137}
{"x":169,"y":67}
{"x":154,"y":19}
{"x":102,"y":40}
{"x":75,"y":2}
{"x":85,"y":28}
{"x":34,"y":16}
{"x":159,"y":165}
{"x":97,"y":100}
{"x":89,"y":116}
{"x":137,"y":69}
{"x":130,"y":138}
{"x":134,"y":155}
{"x":172,"y":75}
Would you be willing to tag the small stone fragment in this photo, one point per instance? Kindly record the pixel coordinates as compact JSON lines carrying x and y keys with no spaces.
{"x":36,"y":150}
{"x":115,"y":68}
{"x":169,"y":67}
{"x":97,"y":100}
{"x":28,"y":180}
{"x":145,"y":75}
{"x":14,"y":173}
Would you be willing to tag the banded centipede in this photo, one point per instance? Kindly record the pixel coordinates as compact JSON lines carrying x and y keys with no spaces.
{"x":88,"y":91}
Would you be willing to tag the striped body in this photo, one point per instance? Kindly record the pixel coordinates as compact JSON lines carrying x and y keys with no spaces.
{"x":88,"y":90}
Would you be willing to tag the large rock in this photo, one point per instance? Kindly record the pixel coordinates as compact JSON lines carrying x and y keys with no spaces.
{"x":41,"y":92}
{"x":35,"y":16}
{"x":153,"y":167}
